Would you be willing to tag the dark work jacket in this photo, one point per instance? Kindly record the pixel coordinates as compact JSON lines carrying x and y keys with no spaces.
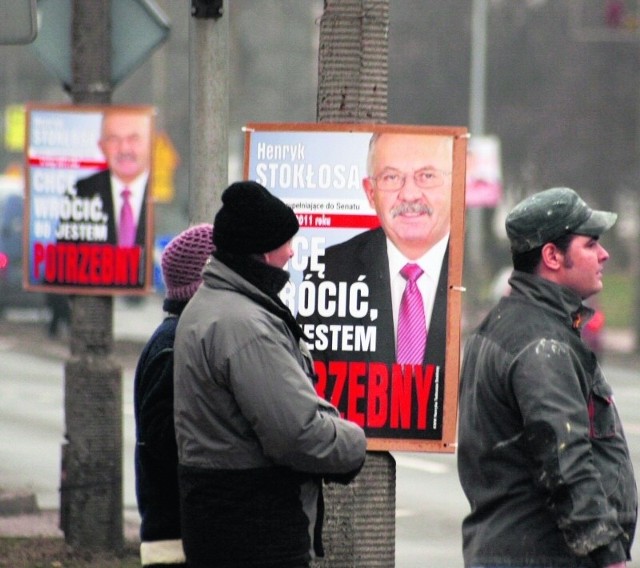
{"x":542,"y":456}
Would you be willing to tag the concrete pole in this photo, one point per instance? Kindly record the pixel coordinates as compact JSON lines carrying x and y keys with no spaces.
{"x":477,"y":99}
{"x":477,"y":105}
{"x":91,"y":481}
{"x":360,"y":520}
{"x":208,"y":109}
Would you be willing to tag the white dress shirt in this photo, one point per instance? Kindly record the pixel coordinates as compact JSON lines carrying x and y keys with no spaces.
{"x":430,"y":262}
{"x":137,"y":189}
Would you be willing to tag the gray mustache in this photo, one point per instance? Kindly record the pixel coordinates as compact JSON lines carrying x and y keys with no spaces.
{"x":414,"y":207}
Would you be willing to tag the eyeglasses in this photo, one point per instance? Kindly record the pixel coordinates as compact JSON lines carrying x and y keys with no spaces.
{"x":391,"y":180}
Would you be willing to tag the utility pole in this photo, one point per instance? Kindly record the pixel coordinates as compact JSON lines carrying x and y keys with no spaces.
{"x":352,"y":88}
{"x":477,"y":89}
{"x":91,"y":481}
{"x":208,"y":108}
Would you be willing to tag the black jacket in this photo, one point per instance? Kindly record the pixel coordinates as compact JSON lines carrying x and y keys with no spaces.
{"x":156,"y":456}
{"x":363,"y":259}
{"x":542,"y":456}
{"x":99,"y":185}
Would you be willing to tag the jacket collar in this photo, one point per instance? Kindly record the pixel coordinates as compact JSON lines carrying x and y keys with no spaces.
{"x":258,"y":281}
{"x":266,"y":278}
{"x":562,"y":301}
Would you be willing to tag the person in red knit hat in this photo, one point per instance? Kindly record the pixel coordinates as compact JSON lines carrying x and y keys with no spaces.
{"x":156,"y":459}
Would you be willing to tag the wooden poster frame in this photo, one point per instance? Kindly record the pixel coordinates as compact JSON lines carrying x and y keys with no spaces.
{"x":286,"y":137}
{"x":62,"y":148}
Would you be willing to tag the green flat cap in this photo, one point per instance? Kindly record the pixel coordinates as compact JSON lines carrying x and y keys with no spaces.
{"x":552,"y":213}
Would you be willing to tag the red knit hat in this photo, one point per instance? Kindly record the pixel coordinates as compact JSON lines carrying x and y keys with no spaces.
{"x":183,"y":260}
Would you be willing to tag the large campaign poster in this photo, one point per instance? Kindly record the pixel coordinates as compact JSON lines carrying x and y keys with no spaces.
{"x":376,"y":277}
{"x":88,"y":212}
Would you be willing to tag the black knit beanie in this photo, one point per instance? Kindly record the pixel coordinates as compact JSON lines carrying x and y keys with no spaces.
{"x":252,"y":221}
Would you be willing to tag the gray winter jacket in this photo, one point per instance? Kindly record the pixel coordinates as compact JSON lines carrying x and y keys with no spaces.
{"x":249,"y":424}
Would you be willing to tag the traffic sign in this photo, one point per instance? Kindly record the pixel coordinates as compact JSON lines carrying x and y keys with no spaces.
{"x":137,"y":28}
{"x":165,"y":161}
{"x":14,"y":127}
{"x":17,"y":22}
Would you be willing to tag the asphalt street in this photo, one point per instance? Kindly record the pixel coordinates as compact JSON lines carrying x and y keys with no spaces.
{"x":429,"y":502}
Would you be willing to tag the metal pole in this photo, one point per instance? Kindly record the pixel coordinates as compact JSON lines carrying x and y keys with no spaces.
{"x":208,"y":108}
{"x":91,"y":483}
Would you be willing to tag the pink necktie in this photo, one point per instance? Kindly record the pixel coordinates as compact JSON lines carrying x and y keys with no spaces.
{"x":412,"y":329}
{"x":127,"y":229}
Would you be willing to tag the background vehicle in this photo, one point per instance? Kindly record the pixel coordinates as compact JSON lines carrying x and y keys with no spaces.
{"x":12,"y":294}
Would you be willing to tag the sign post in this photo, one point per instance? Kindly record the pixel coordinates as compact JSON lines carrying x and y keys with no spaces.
{"x":91,"y":46}
{"x":138,"y":27}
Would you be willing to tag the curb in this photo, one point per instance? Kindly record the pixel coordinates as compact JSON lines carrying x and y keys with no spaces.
{"x":17,"y":503}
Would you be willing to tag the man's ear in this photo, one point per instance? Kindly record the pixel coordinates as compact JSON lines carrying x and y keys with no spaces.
{"x":551,"y":256}
{"x":367,"y":184}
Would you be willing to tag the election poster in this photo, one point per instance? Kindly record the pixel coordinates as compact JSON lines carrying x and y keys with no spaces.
{"x":88,"y":212}
{"x":376,"y":275}
{"x":484,"y":172}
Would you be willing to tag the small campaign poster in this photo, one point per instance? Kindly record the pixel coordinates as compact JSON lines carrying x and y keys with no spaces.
{"x":484,"y":172}
{"x":376,"y":276}
{"x":88,"y":213}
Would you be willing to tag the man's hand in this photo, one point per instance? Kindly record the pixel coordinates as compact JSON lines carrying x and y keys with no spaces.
{"x":617,"y":565}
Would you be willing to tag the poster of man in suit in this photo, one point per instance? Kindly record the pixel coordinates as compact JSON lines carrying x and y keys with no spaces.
{"x":88,"y":198}
{"x":375,"y":204}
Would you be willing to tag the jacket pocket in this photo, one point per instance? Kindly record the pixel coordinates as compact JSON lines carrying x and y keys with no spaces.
{"x":602,"y":414}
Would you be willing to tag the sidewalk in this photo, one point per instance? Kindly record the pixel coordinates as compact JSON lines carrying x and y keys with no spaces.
{"x":133,"y":323}
{"x":45,"y":524}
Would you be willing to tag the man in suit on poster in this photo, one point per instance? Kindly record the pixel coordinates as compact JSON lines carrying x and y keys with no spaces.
{"x":125,"y":141}
{"x":409,"y":185}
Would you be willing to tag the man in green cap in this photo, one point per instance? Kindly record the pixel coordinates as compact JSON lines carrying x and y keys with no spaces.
{"x":542,"y":457}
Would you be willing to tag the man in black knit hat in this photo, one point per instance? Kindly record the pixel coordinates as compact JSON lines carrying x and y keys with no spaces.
{"x":254,"y":439}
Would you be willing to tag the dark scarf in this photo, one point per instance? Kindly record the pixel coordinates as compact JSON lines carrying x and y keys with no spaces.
{"x":268,"y":279}
{"x":174,"y":307}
